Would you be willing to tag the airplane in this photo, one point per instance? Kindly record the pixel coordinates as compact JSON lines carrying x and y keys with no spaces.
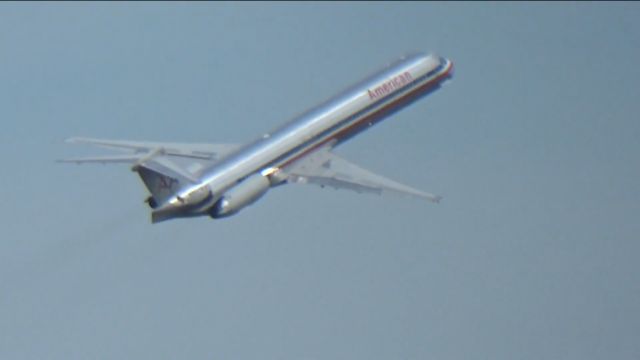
{"x":218,"y":180}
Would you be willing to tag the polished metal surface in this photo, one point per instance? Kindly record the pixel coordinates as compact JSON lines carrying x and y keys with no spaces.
{"x":377,"y":93}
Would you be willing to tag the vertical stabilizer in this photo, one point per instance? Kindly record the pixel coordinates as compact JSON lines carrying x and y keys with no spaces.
{"x":162,"y":183}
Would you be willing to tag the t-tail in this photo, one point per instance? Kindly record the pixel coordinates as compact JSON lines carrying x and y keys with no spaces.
{"x":162,"y":183}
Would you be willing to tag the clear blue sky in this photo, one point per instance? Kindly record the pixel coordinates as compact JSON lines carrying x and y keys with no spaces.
{"x":533,"y":253}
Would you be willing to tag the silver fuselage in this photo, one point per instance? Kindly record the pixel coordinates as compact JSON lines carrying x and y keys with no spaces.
{"x":334,"y":121}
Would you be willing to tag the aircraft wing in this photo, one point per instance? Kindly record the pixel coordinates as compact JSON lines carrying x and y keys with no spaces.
{"x":137,"y":151}
{"x":186,"y":159}
{"x":324,"y":168}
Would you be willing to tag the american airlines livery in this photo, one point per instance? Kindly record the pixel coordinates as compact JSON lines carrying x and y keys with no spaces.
{"x":218,"y":180}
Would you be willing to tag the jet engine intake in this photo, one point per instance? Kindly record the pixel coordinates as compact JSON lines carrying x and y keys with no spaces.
{"x":152,"y":202}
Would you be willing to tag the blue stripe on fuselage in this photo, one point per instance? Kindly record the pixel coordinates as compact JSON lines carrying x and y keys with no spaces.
{"x":221,"y":175}
{"x":352,"y":120}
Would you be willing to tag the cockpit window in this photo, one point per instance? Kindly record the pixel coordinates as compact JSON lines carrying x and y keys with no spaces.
{"x":437,"y":68}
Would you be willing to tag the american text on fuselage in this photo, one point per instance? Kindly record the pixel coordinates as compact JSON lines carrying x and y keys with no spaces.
{"x":222,"y":200}
{"x":232,"y":177}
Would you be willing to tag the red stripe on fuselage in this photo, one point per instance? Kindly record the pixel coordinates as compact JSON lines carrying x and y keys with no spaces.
{"x":376,"y":116}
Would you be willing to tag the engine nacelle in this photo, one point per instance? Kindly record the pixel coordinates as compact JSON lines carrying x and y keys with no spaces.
{"x":152,"y":202}
{"x":241,"y":195}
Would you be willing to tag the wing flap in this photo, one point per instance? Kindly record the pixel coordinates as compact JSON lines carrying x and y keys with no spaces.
{"x":324,"y":168}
